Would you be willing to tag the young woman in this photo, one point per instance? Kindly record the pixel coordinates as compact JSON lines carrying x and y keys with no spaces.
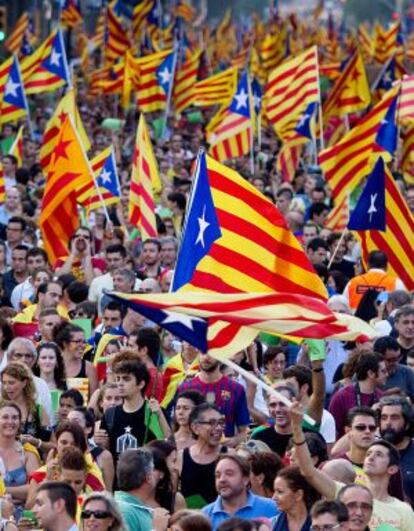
{"x":15,"y":461}
{"x":86,"y":420}
{"x":108,"y":396}
{"x":17,"y":385}
{"x":51,"y":368}
{"x":185,"y":404}
{"x":79,"y":373}
{"x":294,"y":497}
{"x":100,"y":513}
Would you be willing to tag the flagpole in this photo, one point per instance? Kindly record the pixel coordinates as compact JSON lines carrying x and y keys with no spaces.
{"x":170,"y":91}
{"x":249,"y":90}
{"x":341,"y":239}
{"x":255,"y":380}
{"x":321,"y":133}
{"x":381,"y":73}
{"x":25,"y":102}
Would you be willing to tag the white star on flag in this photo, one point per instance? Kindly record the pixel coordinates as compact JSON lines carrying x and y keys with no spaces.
{"x":106,"y":176}
{"x":241,"y":99}
{"x":372,"y":208}
{"x":303,"y":120}
{"x":185,"y":320}
{"x":55,"y":57}
{"x":165,"y":76}
{"x":11,"y":87}
{"x":202,"y":224}
{"x":257,"y":100}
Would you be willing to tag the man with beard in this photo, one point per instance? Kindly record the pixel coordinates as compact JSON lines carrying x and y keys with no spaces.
{"x":397,"y":427}
{"x":151,"y":260}
{"x":235,"y":498}
{"x":223,"y":392}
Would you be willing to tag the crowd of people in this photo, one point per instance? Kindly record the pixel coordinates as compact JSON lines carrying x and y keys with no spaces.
{"x":108,"y":422}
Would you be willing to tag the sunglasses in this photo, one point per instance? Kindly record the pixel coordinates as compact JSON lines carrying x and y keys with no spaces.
{"x":364,"y":427}
{"x":99,"y":515}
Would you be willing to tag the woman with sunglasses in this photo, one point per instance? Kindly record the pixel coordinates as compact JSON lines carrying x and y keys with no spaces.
{"x":79,"y":372}
{"x":100,"y":513}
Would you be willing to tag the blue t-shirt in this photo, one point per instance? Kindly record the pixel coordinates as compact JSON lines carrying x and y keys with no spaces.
{"x":256,"y":507}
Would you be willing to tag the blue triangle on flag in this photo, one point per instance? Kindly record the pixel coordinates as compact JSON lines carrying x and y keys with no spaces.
{"x":13,"y":89}
{"x":165,"y":73}
{"x":241,"y":101}
{"x":108,"y":177}
{"x":388,"y":132}
{"x":304,"y":125}
{"x":56,"y":62}
{"x":369,"y":212}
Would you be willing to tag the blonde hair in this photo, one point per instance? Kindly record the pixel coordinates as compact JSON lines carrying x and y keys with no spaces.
{"x":111,"y":506}
{"x":20,"y":372}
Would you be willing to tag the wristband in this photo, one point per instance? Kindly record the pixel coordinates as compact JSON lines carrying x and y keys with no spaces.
{"x":318,"y":369}
{"x":299,"y":443}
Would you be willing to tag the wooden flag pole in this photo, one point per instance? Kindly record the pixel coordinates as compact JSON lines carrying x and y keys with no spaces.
{"x":341,"y":239}
{"x":255,"y":380}
{"x":170,"y":91}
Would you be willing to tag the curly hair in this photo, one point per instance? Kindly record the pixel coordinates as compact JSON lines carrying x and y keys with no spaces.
{"x":59,"y":373}
{"x":20,"y":372}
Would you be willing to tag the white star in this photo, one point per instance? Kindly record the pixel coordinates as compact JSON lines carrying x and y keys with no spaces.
{"x":106,"y":176}
{"x":55,"y":58}
{"x":303,"y":119}
{"x":257,"y":100}
{"x":202,"y":224}
{"x":185,"y":320}
{"x":128,"y":429}
{"x":384,"y":122}
{"x":387,"y":78}
{"x":372,"y":208}
{"x":165,"y":76}
{"x":241,"y":99}
{"x":11,"y":87}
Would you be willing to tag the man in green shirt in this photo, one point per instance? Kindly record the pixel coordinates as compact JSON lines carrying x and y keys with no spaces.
{"x":136,"y":481}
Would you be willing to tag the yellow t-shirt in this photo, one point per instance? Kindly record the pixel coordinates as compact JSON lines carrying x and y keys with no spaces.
{"x":395,"y":513}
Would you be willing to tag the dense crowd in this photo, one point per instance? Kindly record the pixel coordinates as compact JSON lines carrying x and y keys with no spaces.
{"x":108,"y":422}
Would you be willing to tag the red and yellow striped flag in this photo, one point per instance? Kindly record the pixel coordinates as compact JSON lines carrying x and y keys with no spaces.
{"x":185,"y":79}
{"x":273,"y":49}
{"x":70,"y":15}
{"x":117,"y":40}
{"x":216,"y":89}
{"x":365,"y":42}
{"x":144,"y":173}
{"x":288,"y":160}
{"x":350,"y":92}
{"x":338,"y":217}
{"x":348,"y":161}
{"x":386,"y":42}
{"x":151,"y":96}
{"x":59,"y":213}
{"x":407,"y":156}
{"x":289,"y":91}
{"x":15,"y":39}
{"x":397,"y":239}
{"x":139,"y":16}
{"x":17,"y":147}
{"x":66,"y":106}
{"x":406,"y":101}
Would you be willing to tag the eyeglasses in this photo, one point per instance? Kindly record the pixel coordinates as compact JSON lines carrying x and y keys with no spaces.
{"x":99,"y":515}
{"x":352,"y":506}
{"x":365,"y":427}
{"x":213,"y":423}
{"x":78,"y":341}
{"x":326,"y":527}
{"x":23,"y":355}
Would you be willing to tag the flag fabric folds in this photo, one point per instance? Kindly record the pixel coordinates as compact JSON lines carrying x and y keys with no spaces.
{"x":116,"y":38}
{"x":397,"y":239}
{"x":16,"y":148}
{"x":155,"y":77}
{"x":13,"y":100}
{"x":47,"y":68}
{"x":216,"y":89}
{"x":2,"y":185}
{"x":233,"y":137}
{"x":141,"y":211}
{"x":104,"y":190}
{"x":338,"y":217}
{"x":70,"y":15}
{"x":291,"y":87}
{"x":235,"y":240}
{"x":15,"y":39}
{"x":348,"y":161}
{"x":185,"y":79}
{"x":59,"y":213}
{"x":139,"y":15}
{"x":204,"y":319}
{"x":406,"y":103}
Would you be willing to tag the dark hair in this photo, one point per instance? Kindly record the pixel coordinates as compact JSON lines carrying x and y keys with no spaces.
{"x":153,"y":241}
{"x":129,"y":363}
{"x":191,"y":520}
{"x":37,"y":251}
{"x":241,"y":462}
{"x":89,"y":308}
{"x":65,"y":279}
{"x":116,"y":248}
{"x":179,"y":198}
{"x":74,"y":395}
{"x":404,"y":311}
{"x":377,"y":259}
{"x":339,"y":278}
{"x":167,"y":447}
{"x":406,"y":410}
{"x":89,"y":417}
{"x":333,"y":507}
{"x":385,"y":343}
{"x":296,"y":481}
{"x":368,"y":361}
{"x":286,"y":192}
{"x":18,"y":219}
{"x":76,"y":431}
{"x":271,"y":353}
{"x":235,"y":523}
{"x":199,"y":410}
{"x":149,"y":338}
{"x":114,"y":306}
{"x":73,"y":459}
{"x":359,"y":411}
{"x":164,"y":494}
{"x":268,"y":464}
{"x":59,"y":374}
{"x":316,"y":209}
{"x":11,"y":158}
{"x":302,"y":374}
{"x":195,"y":397}
{"x":315,"y":243}
{"x":393,"y":453}
{"x":77,"y":291}
{"x":7,"y":331}
{"x":317,"y":446}
{"x":62,"y":334}
{"x":58,"y":490}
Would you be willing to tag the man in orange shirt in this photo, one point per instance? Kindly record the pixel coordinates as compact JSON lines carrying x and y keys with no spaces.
{"x":375,"y":278}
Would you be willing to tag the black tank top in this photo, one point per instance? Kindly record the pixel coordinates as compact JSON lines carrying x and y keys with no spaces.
{"x":197,"y":482}
{"x":82,"y":372}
